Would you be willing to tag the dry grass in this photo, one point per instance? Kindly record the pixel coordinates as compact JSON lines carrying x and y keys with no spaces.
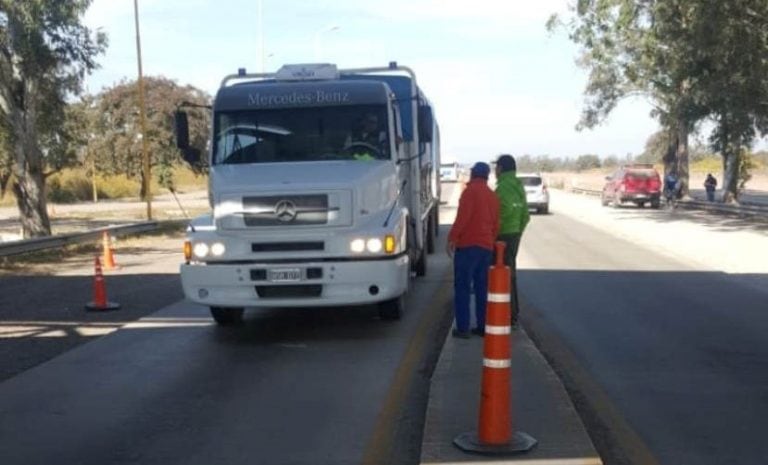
{"x":75,"y":185}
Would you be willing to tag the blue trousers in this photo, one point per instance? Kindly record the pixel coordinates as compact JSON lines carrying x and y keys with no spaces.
{"x":470,"y":272}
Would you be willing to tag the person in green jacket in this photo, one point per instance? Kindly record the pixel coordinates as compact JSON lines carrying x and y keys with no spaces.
{"x":514,"y":218}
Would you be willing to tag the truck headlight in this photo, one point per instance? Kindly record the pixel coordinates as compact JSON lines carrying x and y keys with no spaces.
{"x":374,"y":245}
{"x":200,"y":249}
{"x":218,"y":249}
{"x":357,"y":245}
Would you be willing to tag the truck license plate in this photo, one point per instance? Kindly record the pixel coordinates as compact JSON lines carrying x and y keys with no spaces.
{"x":285,"y":274}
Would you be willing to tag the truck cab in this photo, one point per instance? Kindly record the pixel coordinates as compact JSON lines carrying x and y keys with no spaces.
{"x":323,"y":191}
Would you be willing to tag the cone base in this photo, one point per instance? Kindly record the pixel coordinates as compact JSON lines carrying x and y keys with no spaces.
{"x":520,"y":443}
{"x":109,"y":306}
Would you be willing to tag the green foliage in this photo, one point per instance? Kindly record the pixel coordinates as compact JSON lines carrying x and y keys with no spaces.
{"x":45,"y":52}
{"x":611,"y":161}
{"x":69,"y":186}
{"x":693,"y":59}
{"x":116,"y":145}
{"x":746,"y":166}
{"x":655,"y":148}
{"x":711,"y":164}
{"x":587,"y":162}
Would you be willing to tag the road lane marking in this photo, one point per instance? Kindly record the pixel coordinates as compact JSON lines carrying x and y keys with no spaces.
{"x":382,"y":440}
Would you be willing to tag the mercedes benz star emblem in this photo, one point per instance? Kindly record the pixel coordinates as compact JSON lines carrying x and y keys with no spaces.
{"x":285,"y":211}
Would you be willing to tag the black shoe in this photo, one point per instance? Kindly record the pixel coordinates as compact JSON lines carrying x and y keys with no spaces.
{"x":460,"y":334}
{"x":478,"y":332}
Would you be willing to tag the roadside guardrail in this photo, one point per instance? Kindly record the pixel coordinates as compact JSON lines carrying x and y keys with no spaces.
{"x":743,"y":209}
{"x":53,"y":242}
{"x":579,"y":190}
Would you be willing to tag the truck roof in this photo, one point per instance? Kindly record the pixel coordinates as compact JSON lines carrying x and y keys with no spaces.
{"x":273,"y":95}
{"x":348,"y":89}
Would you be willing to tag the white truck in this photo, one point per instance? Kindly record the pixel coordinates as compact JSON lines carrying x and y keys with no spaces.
{"x":324,"y":191}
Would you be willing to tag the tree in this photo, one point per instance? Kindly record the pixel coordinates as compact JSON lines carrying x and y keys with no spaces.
{"x":587,"y":162}
{"x":116,"y":130}
{"x":44,"y":55}
{"x":639,"y":48}
{"x":611,"y":161}
{"x":694,"y":59}
{"x":656,"y":148}
{"x":734,"y":64}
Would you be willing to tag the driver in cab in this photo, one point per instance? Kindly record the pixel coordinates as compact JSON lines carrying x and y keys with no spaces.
{"x":368,"y":141}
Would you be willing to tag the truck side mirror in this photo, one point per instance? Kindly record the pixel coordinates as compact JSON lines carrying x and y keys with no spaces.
{"x":182,"y":131}
{"x":426,"y":123}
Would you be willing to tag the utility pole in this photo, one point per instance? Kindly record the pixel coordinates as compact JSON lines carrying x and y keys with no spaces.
{"x":147,"y":177}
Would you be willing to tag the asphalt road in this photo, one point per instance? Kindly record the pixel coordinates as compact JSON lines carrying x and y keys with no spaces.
{"x":666,"y":359}
{"x":314,"y":386}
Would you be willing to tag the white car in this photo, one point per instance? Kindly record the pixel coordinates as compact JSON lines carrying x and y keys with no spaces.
{"x":535,"y":192}
{"x":449,"y":172}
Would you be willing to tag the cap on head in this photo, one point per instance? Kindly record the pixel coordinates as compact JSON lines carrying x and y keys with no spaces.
{"x":506,"y":163}
{"x":481,"y":170}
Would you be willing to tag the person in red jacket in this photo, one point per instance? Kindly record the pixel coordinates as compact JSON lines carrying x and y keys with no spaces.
{"x":470,"y":243}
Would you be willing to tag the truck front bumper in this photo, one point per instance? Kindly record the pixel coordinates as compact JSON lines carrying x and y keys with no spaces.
{"x":342,"y":282}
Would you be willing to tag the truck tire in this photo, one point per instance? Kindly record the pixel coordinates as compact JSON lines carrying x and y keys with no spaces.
{"x":421,"y":263}
{"x":227,"y":316}
{"x":392,"y":309}
{"x":431,"y":233}
{"x":436,"y":211}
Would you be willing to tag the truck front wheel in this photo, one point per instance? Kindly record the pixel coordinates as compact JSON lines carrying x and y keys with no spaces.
{"x":227,"y":316}
{"x":392,"y":309}
{"x":431,"y":233}
{"x":421,"y":264}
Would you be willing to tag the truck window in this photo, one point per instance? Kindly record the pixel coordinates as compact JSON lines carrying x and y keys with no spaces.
{"x":355,"y":132}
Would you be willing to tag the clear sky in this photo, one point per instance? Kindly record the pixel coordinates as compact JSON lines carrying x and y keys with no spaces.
{"x":498,"y":80}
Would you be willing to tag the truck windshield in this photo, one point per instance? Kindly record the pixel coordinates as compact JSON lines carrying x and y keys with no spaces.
{"x":302,"y":134}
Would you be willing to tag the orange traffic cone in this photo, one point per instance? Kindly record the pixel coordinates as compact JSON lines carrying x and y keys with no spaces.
{"x":108,"y":252}
{"x":495,"y":432}
{"x":100,"y":302}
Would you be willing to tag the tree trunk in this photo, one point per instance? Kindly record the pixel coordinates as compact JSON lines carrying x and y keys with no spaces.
{"x":29,"y":189}
{"x":29,"y":186}
{"x":731,"y":156}
{"x":670,"y":157}
{"x":681,"y":155}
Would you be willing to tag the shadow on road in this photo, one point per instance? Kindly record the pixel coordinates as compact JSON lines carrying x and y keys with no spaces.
{"x":43,"y":316}
{"x":712,"y":220}
{"x":670,"y":357}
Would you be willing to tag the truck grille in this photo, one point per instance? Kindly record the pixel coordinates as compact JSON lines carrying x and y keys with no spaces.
{"x":290,"y":292}
{"x":286,"y":210}
{"x":286,"y":246}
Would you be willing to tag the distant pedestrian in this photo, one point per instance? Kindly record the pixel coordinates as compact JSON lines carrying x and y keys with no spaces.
{"x":470,"y":243}
{"x":514,"y":218}
{"x":671,"y":185}
{"x":710,"y":184}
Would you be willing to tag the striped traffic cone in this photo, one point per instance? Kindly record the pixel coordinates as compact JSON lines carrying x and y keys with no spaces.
{"x":100,"y":302}
{"x":108,"y":252}
{"x":495,"y":430}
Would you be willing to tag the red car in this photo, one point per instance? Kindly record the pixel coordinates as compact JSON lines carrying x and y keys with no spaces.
{"x":639,"y":184}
